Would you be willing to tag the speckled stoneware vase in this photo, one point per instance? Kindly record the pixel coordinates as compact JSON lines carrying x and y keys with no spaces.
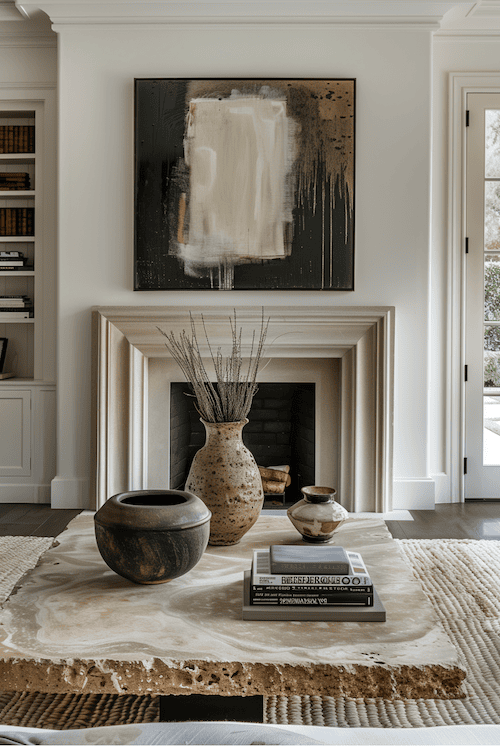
{"x":317,"y":515}
{"x":225,"y":476}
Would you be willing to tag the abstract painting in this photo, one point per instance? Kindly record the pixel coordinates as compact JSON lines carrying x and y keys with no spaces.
{"x":244,"y":184}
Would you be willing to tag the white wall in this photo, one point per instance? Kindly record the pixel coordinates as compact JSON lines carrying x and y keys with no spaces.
{"x":96,"y":71}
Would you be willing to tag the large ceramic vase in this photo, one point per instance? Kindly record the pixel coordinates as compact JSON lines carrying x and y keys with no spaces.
{"x":225,"y":476}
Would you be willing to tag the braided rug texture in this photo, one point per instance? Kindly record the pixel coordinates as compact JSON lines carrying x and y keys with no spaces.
{"x":462,"y":580}
{"x":18,"y":554}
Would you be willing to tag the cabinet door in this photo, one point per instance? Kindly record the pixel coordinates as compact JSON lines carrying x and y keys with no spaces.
{"x":15,"y":433}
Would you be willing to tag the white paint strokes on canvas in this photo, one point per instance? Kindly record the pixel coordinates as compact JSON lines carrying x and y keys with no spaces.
{"x":239,"y":152}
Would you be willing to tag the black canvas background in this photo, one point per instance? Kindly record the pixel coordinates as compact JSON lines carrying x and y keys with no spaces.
{"x":160,"y":110}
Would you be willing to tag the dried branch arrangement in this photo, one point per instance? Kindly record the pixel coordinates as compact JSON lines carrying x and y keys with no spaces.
{"x":230,"y":398}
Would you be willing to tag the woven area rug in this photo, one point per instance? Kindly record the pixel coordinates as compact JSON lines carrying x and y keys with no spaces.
{"x":462,"y":580}
{"x":18,"y":554}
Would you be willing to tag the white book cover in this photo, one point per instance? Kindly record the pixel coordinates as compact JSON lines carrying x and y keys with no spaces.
{"x":262,"y":576}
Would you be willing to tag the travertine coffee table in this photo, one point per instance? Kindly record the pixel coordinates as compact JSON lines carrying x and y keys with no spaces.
{"x":75,"y":626}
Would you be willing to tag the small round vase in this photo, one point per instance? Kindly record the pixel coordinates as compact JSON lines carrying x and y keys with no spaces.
{"x":317,"y":515}
{"x":152,"y":536}
{"x":226,"y":477}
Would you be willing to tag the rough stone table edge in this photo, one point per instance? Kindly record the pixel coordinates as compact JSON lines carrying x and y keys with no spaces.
{"x":230,"y":678}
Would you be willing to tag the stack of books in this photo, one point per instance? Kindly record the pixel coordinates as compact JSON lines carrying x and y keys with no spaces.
{"x":12,"y":260}
{"x":15,"y":307}
{"x":14,"y":181}
{"x":16,"y":222}
{"x":291,"y":582}
{"x":17,"y":139}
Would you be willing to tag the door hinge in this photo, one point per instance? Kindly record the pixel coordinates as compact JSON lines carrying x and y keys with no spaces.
{"x":465,"y":465}
{"x":466,"y":372}
{"x":466,"y":118}
{"x":466,"y":244}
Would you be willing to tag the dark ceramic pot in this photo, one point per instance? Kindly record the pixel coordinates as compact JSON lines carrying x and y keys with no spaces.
{"x":152,"y":536}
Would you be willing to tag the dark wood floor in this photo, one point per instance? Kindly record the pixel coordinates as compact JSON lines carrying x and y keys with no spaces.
{"x":447,"y":521}
{"x":451,"y":521}
{"x":33,"y":520}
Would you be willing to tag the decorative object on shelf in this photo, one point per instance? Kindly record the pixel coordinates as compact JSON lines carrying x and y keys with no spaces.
{"x":12,"y":260}
{"x":224,"y":474}
{"x":152,"y":536}
{"x":3,"y":352}
{"x":317,"y":514}
{"x":244,"y":184}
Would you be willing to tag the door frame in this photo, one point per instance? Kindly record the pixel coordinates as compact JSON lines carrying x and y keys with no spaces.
{"x":460,"y":85}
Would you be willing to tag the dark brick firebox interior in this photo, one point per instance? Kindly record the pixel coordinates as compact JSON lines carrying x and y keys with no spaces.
{"x":281,"y":430}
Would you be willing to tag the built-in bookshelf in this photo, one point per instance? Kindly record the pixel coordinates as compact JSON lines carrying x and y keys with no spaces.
{"x":20,"y":191}
{"x":27,"y":285}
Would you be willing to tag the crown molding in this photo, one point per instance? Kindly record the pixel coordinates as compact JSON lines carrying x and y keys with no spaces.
{"x":485,"y":9}
{"x":470,"y":35}
{"x":33,"y":88}
{"x":27,"y":40}
{"x":387,"y":23}
{"x":424,"y":13}
{"x":9,"y":12}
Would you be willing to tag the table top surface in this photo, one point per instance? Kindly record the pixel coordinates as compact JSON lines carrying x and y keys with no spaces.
{"x":76,"y":625}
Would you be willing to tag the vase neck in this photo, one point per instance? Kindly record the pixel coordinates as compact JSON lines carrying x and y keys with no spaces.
{"x":224,"y":430}
{"x":319,"y":494}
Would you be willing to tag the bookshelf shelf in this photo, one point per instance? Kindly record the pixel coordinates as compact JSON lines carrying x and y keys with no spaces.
{"x":17,"y":158}
{"x":18,"y":238}
{"x":17,"y":194}
{"x":23,"y":321}
{"x":17,"y":273}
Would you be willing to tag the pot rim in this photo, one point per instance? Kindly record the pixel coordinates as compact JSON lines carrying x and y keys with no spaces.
{"x":116,"y":513}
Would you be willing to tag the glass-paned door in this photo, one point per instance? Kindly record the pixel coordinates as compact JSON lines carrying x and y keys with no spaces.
{"x":482,"y":344}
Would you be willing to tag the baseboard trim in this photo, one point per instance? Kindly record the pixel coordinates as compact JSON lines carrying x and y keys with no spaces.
{"x":70,"y":493}
{"x":417,"y":493}
{"x":482,"y":500}
{"x":35,"y":494}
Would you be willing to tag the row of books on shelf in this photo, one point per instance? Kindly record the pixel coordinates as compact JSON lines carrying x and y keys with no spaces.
{"x":16,"y":222}
{"x":17,"y":139}
{"x":291,"y":576}
{"x":15,"y":307}
{"x":14,"y":181}
{"x":12,"y":260}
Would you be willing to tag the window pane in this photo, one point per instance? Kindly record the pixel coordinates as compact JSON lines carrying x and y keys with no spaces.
{"x":492,"y":136}
{"x":491,"y":442}
{"x":492,"y":290}
{"x":492,"y":357}
{"x":492,"y":216}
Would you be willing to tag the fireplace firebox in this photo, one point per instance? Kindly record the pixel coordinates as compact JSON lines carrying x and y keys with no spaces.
{"x":280,"y":431}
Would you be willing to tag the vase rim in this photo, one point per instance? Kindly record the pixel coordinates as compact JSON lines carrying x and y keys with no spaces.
{"x":313,"y":489}
{"x":241,"y":421}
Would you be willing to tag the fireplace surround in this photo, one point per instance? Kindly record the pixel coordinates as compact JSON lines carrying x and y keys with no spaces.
{"x":360,"y":339}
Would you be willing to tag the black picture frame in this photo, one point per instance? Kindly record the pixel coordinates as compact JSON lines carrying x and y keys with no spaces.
{"x":219,"y":204}
{"x":3,"y":351}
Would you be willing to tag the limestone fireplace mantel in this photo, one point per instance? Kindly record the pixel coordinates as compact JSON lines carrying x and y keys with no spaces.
{"x":124,"y":338}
